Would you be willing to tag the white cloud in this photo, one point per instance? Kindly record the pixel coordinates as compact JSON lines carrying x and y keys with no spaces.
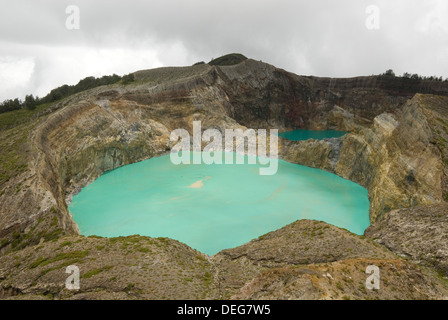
{"x":434,"y":22}
{"x":321,"y":37}
{"x":67,"y":65}
{"x":15,"y":75}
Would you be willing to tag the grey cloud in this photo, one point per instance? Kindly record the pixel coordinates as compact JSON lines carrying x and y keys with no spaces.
{"x":322,"y":37}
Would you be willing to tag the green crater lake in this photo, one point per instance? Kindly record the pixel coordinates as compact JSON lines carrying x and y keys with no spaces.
{"x":299,"y":135}
{"x":214,"y":207}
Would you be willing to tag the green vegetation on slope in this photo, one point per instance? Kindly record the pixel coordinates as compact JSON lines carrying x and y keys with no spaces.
{"x":415,"y":76}
{"x":15,"y":127}
{"x":64,"y":91}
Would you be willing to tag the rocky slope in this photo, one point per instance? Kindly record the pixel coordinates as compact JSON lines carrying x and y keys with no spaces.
{"x":305,"y":260}
{"x":397,"y":158}
{"x":419,"y":233}
{"x":396,"y":148}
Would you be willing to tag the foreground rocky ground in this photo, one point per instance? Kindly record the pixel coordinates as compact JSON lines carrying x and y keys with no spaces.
{"x":397,"y":148}
{"x":304,"y":260}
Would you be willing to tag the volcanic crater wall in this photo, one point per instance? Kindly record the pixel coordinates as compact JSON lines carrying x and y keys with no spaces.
{"x":390,"y":149}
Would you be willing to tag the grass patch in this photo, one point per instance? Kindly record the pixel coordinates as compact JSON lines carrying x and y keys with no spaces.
{"x":17,"y":117}
{"x":228,"y":60}
{"x":94,"y":272}
{"x":339,"y":286}
{"x":40,"y":262}
{"x":65,"y":244}
{"x":3,"y":243}
{"x":94,"y":237}
{"x":129,"y":287}
{"x":63,"y":265}
{"x":143,"y":249}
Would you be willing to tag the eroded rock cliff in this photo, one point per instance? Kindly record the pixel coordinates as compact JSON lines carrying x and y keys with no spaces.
{"x":396,"y":148}
{"x":397,"y":158}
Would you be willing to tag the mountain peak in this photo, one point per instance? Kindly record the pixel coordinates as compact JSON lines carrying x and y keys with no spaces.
{"x":228,"y":60}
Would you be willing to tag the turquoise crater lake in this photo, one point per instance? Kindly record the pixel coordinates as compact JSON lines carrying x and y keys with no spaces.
{"x":214,"y":207}
{"x":300,"y":135}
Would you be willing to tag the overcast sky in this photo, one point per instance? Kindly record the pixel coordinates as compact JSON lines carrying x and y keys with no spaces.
{"x":315,"y":37}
